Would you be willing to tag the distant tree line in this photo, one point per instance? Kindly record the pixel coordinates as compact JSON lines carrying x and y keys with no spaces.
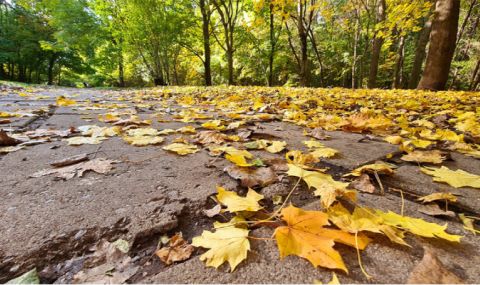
{"x":423,"y":44}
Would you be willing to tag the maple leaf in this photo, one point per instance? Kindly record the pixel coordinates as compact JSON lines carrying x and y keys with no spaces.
{"x":363,"y":219}
{"x":438,"y":196}
{"x":320,"y":150}
{"x":306,"y":236}
{"x":457,"y":178}
{"x":64,"y":102}
{"x":276,"y":146}
{"x":214,"y":125}
{"x":296,"y":157}
{"x":227,"y":244}
{"x":468,"y":224}
{"x":142,"y":132}
{"x":429,"y":156}
{"x":236,"y":203}
{"x":394,"y":139}
{"x":325,"y":186}
{"x":177,"y":250}
{"x":143,"y":140}
{"x":108,"y":118}
{"x":98,"y":165}
{"x":379,"y":167}
{"x":84,"y":140}
{"x":416,"y":226}
{"x":181,"y":148}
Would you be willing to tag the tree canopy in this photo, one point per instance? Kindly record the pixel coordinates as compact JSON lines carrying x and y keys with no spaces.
{"x":317,"y":43}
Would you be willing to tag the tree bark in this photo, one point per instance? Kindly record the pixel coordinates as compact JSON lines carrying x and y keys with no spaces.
{"x":272,"y":46}
{"x":376,"y":46}
{"x":206,"y":42}
{"x":397,"y":79}
{"x":476,"y":73}
{"x":442,"y":45}
{"x":420,"y":52}
{"x":51,"y":64}
{"x":302,"y":34}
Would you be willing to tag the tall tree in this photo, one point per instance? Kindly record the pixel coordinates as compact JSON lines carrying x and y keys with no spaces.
{"x":377,"y":44}
{"x":229,"y":11}
{"x":442,"y":45}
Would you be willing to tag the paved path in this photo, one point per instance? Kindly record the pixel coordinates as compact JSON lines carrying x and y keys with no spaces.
{"x":51,"y":224}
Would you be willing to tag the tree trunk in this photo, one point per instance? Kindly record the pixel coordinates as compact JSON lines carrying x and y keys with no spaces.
{"x":420,"y":52}
{"x":206,"y":42}
{"x":476,"y":73}
{"x":376,"y":46}
{"x":355,"y":45}
{"x":442,"y":45}
{"x":230,"y":66}
{"x":159,"y":81}
{"x":51,"y":65}
{"x":121,"y":76}
{"x":272,"y":47}
{"x":397,"y":79}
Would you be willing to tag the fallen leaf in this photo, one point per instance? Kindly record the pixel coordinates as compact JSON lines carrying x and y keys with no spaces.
{"x":30,"y":277}
{"x":458,"y":178}
{"x":235,"y":203}
{"x":428,"y":156}
{"x":213,"y":211}
{"x":276,"y":146}
{"x":8,"y":149}
{"x":334,"y":279}
{"x":306,"y":236}
{"x":210,"y":137}
{"x":133,"y":120}
{"x":379,"y":167}
{"x":99,"y":165}
{"x":181,"y":148}
{"x":394,"y":139}
{"x":6,"y":140}
{"x":75,"y":141}
{"x":142,"y":132}
{"x":468,"y":224}
{"x":431,"y":270}
{"x":363,"y":219}
{"x":64,"y":102}
{"x":177,"y":250}
{"x":143,"y":140}
{"x":238,"y":160}
{"x":363,"y":184}
{"x":108,"y":118}
{"x":434,"y":210}
{"x":296,"y":157}
{"x":252,"y":177}
{"x":227,"y":244}
{"x":438,"y":196}
{"x":417,"y":226}
{"x":318,"y":133}
{"x":108,"y":265}
{"x":325,"y":186}
{"x":214,"y":125}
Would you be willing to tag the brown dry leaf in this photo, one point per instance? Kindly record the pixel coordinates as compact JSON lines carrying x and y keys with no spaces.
{"x":99,"y":165}
{"x":133,"y":120}
{"x":177,"y":250}
{"x":213,"y":211}
{"x":438,"y":196}
{"x":252,"y":177}
{"x":40,"y":133}
{"x":363,"y":184}
{"x":318,"y":133}
{"x":5,"y":140}
{"x":434,"y":210}
{"x":427,"y":156}
{"x":210,"y":137}
{"x":431,"y":271}
{"x":110,"y":264}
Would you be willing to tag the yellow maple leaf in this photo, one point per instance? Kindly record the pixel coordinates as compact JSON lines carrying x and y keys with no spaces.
{"x":64,"y":102}
{"x":298,"y":158}
{"x":227,"y":244}
{"x":306,"y":236}
{"x":325,"y":186}
{"x":313,"y":144}
{"x":181,"y":148}
{"x":214,"y":125}
{"x":276,"y":146}
{"x":84,"y":140}
{"x":334,"y":280}
{"x":468,"y":224}
{"x":236,"y":203}
{"x":142,"y":132}
{"x":108,"y":118}
{"x":417,"y":226}
{"x":394,"y":139}
{"x":457,"y":178}
{"x":143,"y":140}
{"x":428,"y":156}
{"x":363,"y":219}
{"x":379,"y":167}
{"x":438,"y":196}
{"x":324,"y":152}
